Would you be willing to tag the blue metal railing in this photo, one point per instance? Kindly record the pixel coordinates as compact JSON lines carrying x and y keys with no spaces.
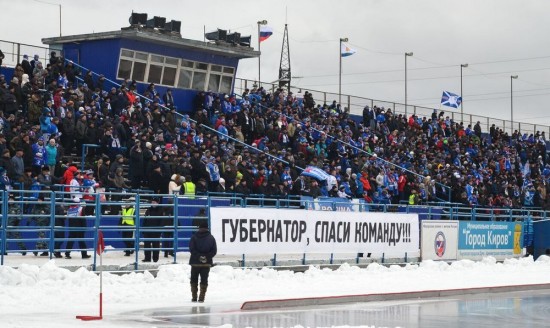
{"x":180,"y":216}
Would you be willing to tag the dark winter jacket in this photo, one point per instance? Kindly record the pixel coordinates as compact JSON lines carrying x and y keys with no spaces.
{"x":68,"y":127}
{"x":203,"y":248}
{"x":149,"y":220}
{"x":10,"y":103}
{"x":158,"y":183}
{"x":137,"y":166}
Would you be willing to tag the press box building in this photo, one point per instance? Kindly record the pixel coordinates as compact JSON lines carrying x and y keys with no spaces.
{"x":153,"y":54}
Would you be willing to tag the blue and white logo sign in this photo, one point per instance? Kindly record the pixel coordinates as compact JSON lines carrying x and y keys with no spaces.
{"x":440,"y":244}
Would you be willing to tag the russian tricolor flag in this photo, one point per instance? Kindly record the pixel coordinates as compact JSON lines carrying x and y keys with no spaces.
{"x":265,"y":32}
{"x":345,"y":50}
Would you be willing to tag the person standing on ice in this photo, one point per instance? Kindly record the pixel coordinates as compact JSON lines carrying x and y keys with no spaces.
{"x":202,"y":247}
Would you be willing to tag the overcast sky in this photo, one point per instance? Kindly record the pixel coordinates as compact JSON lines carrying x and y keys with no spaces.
{"x":497,"y":38}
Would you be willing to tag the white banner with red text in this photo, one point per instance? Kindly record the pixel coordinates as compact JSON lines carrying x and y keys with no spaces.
{"x":262,"y":230}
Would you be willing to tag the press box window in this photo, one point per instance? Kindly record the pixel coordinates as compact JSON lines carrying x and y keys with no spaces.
{"x":169,"y":76}
{"x":225,"y":86}
{"x":214,"y":82}
{"x":157,"y":59}
{"x":127,"y":53}
{"x":186,"y":63}
{"x":170,"y":71}
{"x":124,"y":69}
{"x":199,"y":79}
{"x":138,"y":72}
{"x":201,"y":66}
{"x":155,"y":72}
{"x":142,"y":56}
{"x":185,"y":79}
{"x":171,"y":61}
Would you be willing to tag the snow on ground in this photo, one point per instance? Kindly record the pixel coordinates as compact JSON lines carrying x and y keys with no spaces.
{"x":50,"y":296}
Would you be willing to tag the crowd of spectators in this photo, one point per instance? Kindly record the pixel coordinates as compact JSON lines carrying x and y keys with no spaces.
{"x":47,"y":112}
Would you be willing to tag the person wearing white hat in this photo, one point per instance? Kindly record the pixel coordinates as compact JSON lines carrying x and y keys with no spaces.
{"x":174,"y":188}
{"x":221,"y":185}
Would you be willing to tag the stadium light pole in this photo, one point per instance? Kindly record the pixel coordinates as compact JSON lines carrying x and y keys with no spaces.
{"x":340,"y":72}
{"x":53,"y":4}
{"x":262,"y":22}
{"x":407,"y":54}
{"x":462,"y":93}
{"x":512,"y":78}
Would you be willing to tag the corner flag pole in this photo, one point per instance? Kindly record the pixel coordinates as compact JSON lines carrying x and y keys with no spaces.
{"x":101,"y":278}
{"x":100,"y":247}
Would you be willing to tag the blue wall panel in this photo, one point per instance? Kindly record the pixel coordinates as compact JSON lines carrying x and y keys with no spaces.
{"x":7,"y":72}
{"x":100,"y":56}
{"x":541,"y":238}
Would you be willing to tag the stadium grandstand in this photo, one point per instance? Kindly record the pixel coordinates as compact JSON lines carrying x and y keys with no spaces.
{"x":67,"y":129}
{"x":257,"y":142}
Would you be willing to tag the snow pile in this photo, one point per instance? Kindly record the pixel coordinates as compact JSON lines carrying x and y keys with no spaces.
{"x":52,"y":290}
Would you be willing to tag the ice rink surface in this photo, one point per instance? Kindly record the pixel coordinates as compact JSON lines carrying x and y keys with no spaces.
{"x":517,"y":309}
{"x":49,"y":295}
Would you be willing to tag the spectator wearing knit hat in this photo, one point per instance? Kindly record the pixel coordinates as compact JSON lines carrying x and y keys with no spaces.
{"x":27,"y":68}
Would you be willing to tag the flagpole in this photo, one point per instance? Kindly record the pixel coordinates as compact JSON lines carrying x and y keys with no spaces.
{"x":340,"y":72}
{"x":101,"y":285}
{"x":512,"y":78}
{"x":100,"y":247}
{"x":407,"y":54}
{"x":462,"y":93}
{"x":262,"y":22}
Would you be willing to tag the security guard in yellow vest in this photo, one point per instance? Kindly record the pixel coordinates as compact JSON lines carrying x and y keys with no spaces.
{"x":128,"y":220}
{"x":413,"y":198}
{"x":189,"y":187}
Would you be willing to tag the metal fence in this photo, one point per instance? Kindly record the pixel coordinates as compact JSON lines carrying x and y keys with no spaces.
{"x":14,"y":52}
{"x":45,"y":222}
{"x":356,"y":104}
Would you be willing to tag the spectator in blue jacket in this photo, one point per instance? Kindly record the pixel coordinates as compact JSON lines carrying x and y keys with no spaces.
{"x":5,"y":183}
{"x":51,"y":154}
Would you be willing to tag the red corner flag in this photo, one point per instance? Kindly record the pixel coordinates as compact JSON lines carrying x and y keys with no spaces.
{"x":100,"y":243}
{"x":100,"y":247}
